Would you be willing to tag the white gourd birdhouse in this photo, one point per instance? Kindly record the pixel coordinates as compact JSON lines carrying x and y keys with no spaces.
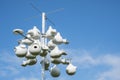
{"x":55,"y":53}
{"x":35,"y":33}
{"x":29,"y":55}
{"x":51,"y":33}
{"x":51,"y":45}
{"x":59,"y":40}
{"x":55,"y":72}
{"x":56,"y":60}
{"x":29,"y":62}
{"x":32,"y":61}
{"x":20,"y":50}
{"x":26,"y":41}
{"x":71,"y":69}
{"x":35,"y":49}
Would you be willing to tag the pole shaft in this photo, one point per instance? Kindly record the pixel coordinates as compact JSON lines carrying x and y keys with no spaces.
{"x":43,"y":44}
{"x":43,"y":23}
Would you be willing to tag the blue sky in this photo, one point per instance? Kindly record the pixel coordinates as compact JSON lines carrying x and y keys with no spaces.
{"x":91,"y":26}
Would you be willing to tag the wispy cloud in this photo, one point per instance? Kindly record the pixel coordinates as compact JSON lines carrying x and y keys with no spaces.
{"x":8,"y":57}
{"x":84,"y":59}
{"x":24,"y":78}
{"x":11,"y":67}
{"x":8,"y":64}
{"x":114,"y":72}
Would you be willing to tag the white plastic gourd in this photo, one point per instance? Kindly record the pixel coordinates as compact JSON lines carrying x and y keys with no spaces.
{"x":35,"y":33}
{"x":29,"y":62}
{"x":71,"y":69}
{"x":55,"y":72}
{"x":56,"y":60}
{"x":20,"y":50}
{"x":51,"y":33}
{"x":29,"y":55}
{"x":55,"y":53}
{"x":59,"y":40}
{"x":35,"y":49}
{"x":26,"y":41}
{"x":51,"y":45}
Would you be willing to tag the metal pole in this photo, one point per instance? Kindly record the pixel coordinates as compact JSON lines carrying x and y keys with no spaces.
{"x":43,"y":44}
{"x":43,"y":22}
{"x":43,"y":28}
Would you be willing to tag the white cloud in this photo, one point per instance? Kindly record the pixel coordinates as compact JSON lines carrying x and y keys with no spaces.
{"x":11,"y":67}
{"x":8,"y":66}
{"x":114,"y":72}
{"x":7,"y":57}
{"x":83,"y":59}
{"x":112,"y":60}
{"x":24,"y":78}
